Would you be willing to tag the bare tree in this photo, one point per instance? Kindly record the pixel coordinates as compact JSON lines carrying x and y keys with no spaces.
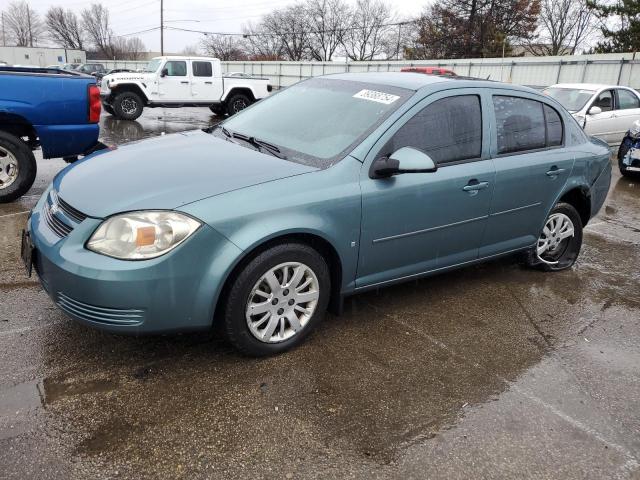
{"x":95,"y":22}
{"x":132,"y":49}
{"x":365,"y":37}
{"x":190,"y":50}
{"x":22,"y":23}
{"x":327,"y":20}
{"x":289,"y":25}
{"x":563,"y":27}
{"x":64,"y":28}
{"x":260,"y":44}
{"x":224,"y":47}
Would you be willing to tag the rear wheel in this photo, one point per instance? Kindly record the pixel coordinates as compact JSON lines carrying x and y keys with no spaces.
{"x":277,"y":299}
{"x":17,"y":167}
{"x":560,"y":241}
{"x":237,"y":103}
{"x":128,"y":105}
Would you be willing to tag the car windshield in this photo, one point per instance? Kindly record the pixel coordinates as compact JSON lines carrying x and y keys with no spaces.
{"x":573,"y":99}
{"x":317,"y":121}
{"x":153,"y":65}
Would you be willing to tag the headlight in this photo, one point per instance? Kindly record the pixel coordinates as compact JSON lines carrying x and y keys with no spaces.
{"x":141,"y":235}
{"x":634,"y":131}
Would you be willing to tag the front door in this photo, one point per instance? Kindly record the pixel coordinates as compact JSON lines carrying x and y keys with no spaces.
{"x":532,"y":167}
{"x":601,"y":124}
{"x":419,"y":222}
{"x":174,"y":82}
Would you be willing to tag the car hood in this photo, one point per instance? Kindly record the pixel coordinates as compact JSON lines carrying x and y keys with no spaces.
{"x":166,"y":172}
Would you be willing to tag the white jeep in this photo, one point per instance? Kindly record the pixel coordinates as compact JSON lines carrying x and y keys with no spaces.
{"x":179,"y":82}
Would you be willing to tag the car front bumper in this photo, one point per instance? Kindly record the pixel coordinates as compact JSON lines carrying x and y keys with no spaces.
{"x":175,"y":292}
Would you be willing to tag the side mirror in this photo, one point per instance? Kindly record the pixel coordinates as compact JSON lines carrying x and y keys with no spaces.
{"x":164,"y":72}
{"x":403,"y":160}
{"x":595,"y":110}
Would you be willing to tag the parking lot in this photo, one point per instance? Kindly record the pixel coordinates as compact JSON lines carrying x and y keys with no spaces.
{"x":491,"y":371}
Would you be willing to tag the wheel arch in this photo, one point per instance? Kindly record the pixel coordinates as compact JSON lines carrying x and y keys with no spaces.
{"x":243,"y":90}
{"x":17,"y":126}
{"x":129,"y":87}
{"x":580,"y":199}
{"x":321,"y":244}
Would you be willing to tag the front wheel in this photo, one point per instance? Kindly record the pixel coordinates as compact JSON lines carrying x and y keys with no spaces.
{"x":17,"y":167}
{"x":218,"y":110}
{"x":277,"y":299}
{"x":108,"y":108}
{"x":128,"y":105}
{"x":560,"y":241}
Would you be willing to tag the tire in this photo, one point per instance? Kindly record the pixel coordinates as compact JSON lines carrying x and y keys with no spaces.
{"x":218,"y":110}
{"x":284,"y":335}
{"x":128,"y":105}
{"x":237,"y":103}
{"x":622,"y":151}
{"x":17,"y":167}
{"x":108,"y":108}
{"x":566,"y":251}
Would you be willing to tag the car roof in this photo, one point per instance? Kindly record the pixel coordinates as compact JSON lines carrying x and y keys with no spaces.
{"x":418,"y":81}
{"x":586,"y":86}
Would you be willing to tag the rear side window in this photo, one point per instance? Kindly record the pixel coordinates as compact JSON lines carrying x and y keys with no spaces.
{"x":627,"y":100}
{"x":202,"y":69}
{"x":554,"y":126}
{"x":520,"y":124}
{"x":176,"y":68}
{"x":448,"y":130}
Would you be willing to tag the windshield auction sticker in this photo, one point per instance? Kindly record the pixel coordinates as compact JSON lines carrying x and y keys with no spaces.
{"x":374,"y":96}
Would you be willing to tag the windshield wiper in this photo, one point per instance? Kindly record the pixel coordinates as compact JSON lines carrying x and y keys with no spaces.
{"x":259,"y":144}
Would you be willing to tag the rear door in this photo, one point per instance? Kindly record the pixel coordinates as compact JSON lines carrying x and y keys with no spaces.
{"x":601,"y":125}
{"x":532,"y":166}
{"x":175,"y":86}
{"x":418,"y":222}
{"x":205,"y":87}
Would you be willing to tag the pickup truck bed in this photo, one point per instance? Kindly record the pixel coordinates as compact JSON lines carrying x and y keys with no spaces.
{"x":54,"y":109}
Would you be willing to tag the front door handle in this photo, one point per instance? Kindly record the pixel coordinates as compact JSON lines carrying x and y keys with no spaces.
{"x":555,"y":171}
{"x":185,"y":82}
{"x":475,"y":185}
{"x":208,"y":83}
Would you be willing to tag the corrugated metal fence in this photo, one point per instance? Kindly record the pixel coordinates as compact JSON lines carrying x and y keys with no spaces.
{"x":617,"y":69}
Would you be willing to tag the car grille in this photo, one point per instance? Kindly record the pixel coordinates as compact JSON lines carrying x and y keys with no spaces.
{"x":56,"y":225}
{"x":92,"y":313}
{"x":54,"y":204}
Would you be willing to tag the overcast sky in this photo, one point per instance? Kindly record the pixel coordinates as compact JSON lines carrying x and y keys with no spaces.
{"x":129,"y":16}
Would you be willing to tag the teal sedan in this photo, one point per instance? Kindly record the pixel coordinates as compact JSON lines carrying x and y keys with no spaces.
{"x":331,"y":187}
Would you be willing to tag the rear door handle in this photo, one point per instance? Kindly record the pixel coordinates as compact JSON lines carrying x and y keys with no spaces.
{"x":555,"y":171}
{"x":474,"y":186}
{"x":184,"y":82}
{"x":208,"y":83}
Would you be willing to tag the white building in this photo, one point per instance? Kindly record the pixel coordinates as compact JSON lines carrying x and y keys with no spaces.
{"x":41,"y":56}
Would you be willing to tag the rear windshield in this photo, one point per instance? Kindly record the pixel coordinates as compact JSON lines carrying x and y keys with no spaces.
{"x":318,"y":121}
{"x":573,"y":99}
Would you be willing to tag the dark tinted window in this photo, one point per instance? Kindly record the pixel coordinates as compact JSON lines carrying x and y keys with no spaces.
{"x":604,"y":101}
{"x":554,"y":127}
{"x":449,"y":130}
{"x":520,"y":124}
{"x":202,"y":69}
{"x":627,"y":100}
{"x":176,"y":69}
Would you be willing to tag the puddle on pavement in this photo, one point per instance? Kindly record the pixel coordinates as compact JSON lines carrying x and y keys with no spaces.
{"x":54,"y":390}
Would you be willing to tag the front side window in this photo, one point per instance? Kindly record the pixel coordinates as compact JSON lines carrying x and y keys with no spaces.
{"x":176,"y":68}
{"x":202,"y":69}
{"x":448,"y":130}
{"x":519,"y":123}
{"x":627,"y":100}
{"x":604,"y":101}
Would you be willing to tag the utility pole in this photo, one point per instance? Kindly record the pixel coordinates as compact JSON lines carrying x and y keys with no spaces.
{"x":161,"y":27}
{"x":4,"y":41}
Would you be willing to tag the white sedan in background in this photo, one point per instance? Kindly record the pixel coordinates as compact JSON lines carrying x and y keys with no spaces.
{"x":604,"y":111}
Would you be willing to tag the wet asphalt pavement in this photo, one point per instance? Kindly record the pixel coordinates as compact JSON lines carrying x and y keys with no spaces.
{"x":492,"y":371}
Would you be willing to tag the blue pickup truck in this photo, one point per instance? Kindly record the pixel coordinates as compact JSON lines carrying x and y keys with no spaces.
{"x":52,"y":109}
